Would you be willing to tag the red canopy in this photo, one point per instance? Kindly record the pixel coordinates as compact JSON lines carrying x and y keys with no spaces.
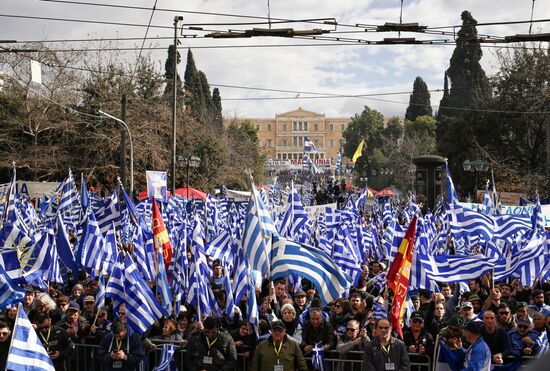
{"x":385,"y":192}
{"x":193,"y":193}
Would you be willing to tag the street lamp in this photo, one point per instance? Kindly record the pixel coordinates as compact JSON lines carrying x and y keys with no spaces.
{"x":125,"y":126}
{"x":190,"y":162}
{"x":477,"y":166}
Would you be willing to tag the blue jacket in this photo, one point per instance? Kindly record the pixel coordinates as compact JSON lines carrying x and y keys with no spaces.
{"x":478,"y":357}
{"x":518,"y":346}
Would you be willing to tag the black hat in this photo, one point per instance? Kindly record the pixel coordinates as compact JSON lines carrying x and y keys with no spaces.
{"x":300,"y":293}
{"x":473,"y":326}
{"x":73,"y":305}
{"x":278,"y":324}
{"x":417,"y":316}
{"x":456,"y":320}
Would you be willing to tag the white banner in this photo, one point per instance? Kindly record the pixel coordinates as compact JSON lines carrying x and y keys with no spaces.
{"x":31,"y":189}
{"x":156,"y":185}
{"x":514,"y":210}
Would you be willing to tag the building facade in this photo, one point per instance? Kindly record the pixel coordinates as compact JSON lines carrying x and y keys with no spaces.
{"x":282,"y":138}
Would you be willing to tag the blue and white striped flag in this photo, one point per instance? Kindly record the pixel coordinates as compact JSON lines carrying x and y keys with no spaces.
{"x":166,"y":362}
{"x":289,"y":257}
{"x":92,"y":246}
{"x":309,"y":146}
{"x":259,"y":227}
{"x":100,"y":295}
{"x":26,"y":350}
{"x":318,"y":358}
{"x":338,"y":168}
{"x":163,"y":286}
{"x":9,"y":292}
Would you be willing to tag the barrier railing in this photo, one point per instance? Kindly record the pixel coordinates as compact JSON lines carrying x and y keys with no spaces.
{"x":85,"y":359}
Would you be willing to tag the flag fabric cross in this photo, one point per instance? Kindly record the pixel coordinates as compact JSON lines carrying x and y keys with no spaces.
{"x":26,"y":351}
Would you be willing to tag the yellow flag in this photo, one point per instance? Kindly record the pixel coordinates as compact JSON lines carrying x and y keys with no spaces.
{"x":358,"y":151}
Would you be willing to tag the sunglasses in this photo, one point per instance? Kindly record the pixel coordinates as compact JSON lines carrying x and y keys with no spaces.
{"x":121,"y":313}
{"x":337,"y":306}
{"x":523,"y":326}
{"x":503,"y":313}
{"x":417,"y":320}
{"x":454,"y":329}
{"x":351,"y":329}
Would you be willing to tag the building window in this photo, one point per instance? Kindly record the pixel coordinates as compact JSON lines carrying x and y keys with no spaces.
{"x":295,"y":125}
{"x":269,"y":143}
{"x":342,"y":127}
{"x":316,"y":127}
{"x":285,"y":143}
{"x":295,"y":141}
{"x":305,"y":125}
{"x":278,"y":156}
{"x":284,"y":126}
{"x":331,"y":127}
{"x":257,"y":127}
{"x":300,"y":141}
{"x":268,"y":127}
{"x":284,"y":156}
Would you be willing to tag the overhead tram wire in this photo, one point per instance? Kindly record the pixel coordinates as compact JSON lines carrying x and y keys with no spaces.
{"x":144,"y":39}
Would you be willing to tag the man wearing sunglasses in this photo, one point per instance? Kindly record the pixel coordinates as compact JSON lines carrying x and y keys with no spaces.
{"x":58,"y":345}
{"x":523,"y":340}
{"x":417,"y":339}
{"x":278,"y":353}
{"x":354,"y":339}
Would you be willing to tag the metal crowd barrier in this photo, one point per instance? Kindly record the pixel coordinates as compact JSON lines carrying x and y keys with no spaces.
{"x":85,"y":359}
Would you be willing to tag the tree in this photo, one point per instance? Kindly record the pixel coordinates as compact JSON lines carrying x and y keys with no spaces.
{"x":169,"y":75}
{"x":469,"y":89}
{"x":217,"y":108}
{"x":419,"y":101}
{"x":194,"y":100}
{"x":469,"y":84}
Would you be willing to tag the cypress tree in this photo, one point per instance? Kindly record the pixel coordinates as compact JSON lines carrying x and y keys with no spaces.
{"x":469,"y":84}
{"x":169,"y":73}
{"x":192,"y":85}
{"x":419,"y":101}
{"x":205,"y":97}
{"x":217,"y":107}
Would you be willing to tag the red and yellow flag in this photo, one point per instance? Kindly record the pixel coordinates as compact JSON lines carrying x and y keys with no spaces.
{"x":398,"y":277}
{"x":160,"y":236}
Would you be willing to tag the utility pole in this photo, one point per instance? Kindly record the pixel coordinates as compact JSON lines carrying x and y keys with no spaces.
{"x":174,"y":92}
{"x":123,"y":142}
{"x":547,"y":124}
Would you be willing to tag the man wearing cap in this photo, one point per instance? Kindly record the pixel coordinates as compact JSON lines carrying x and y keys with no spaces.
{"x":75,"y":327}
{"x":523,"y":341}
{"x":496,"y":338}
{"x":300,"y":302}
{"x":28,"y":299}
{"x":522,"y":312}
{"x":211,"y":349}
{"x":538,"y":303}
{"x":452,"y":335}
{"x":278,"y":353}
{"x":385,"y":352}
{"x":505,"y":320}
{"x":475,"y":300}
{"x":417,"y":339}
{"x":89,"y":312}
{"x":467,"y":311}
{"x":119,"y":351}
{"x":478,"y":355}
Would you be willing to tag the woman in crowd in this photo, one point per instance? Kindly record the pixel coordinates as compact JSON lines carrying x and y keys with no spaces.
{"x":293,"y":329}
{"x":341,"y":314}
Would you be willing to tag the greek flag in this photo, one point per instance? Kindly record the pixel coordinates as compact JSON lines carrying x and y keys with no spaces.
{"x":309,"y":146}
{"x":289,"y":257}
{"x":338,"y":168}
{"x":64,"y":249}
{"x":100,"y":296}
{"x":307,"y":163}
{"x":91,"y":246}
{"x":455,"y":268}
{"x":452,"y":197}
{"x":163,"y":286}
{"x":295,"y":216}
{"x":26,"y":350}
{"x":9,"y":292}
{"x":259,"y":227}
{"x":167,"y":362}
{"x":318,"y":358}
{"x":379,"y":311}
{"x":466,"y":222}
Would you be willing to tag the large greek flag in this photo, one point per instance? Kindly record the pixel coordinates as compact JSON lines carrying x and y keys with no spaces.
{"x":288,"y":257}
{"x":26,"y":351}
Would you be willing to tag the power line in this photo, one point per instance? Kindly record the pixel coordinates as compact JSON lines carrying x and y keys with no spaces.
{"x":143,"y":42}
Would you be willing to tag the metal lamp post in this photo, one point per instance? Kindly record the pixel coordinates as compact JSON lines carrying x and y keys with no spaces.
{"x":191,"y":162}
{"x":476,"y":166}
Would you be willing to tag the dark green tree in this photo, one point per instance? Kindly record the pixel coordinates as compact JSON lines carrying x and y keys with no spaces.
{"x":469,"y":88}
{"x":469,"y":84}
{"x":207,"y":111}
{"x":419,"y":101}
{"x":217,"y":108}
{"x":194,"y":100}
{"x":169,"y":75}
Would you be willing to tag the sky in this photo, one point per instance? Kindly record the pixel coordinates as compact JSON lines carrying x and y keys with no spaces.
{"x":348,"y":69}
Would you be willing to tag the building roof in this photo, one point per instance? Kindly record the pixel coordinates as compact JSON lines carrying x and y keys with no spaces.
{"x":299,"y":113}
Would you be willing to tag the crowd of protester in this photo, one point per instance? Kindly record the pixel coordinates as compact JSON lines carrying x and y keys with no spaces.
{"x":493,"y":323}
